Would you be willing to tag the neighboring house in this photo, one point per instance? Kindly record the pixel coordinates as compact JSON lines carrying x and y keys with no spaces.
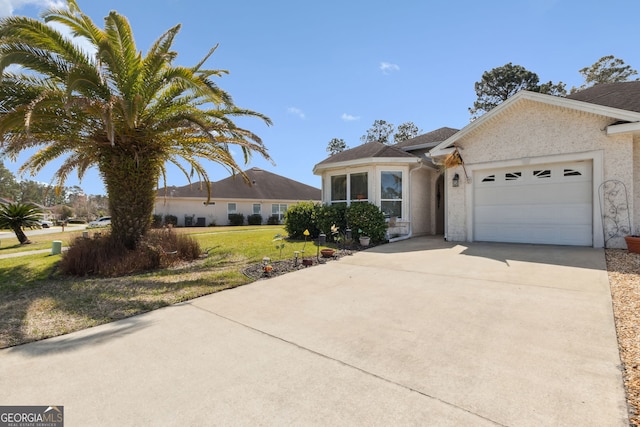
{"x":536,"y":169}
{"x":401,"y":179}
{"x":268,"y":195}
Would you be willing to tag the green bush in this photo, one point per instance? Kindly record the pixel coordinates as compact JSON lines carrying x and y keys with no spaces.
{"x":236,"y":219}
{"x":300,"y":217}
{"x":366,"y":219}
{"x":273,"y":220}
{"x":254,"y":219}
{"x":171,"y":219}
{"x":330,"y":215}
{"x":156,"y":221}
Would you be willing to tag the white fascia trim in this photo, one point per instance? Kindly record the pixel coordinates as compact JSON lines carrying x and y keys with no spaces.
{"x":623,"y":128}
{"x":557,"y":101}
{"x":419,"y":146}
{"x":318,"y":169}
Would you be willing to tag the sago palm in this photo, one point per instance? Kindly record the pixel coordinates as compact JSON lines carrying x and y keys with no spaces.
{"x":18,"y":216}
{"x":128,"y":114}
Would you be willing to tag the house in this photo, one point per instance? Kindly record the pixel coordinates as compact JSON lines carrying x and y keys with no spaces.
{"x":536,"y":169}
{"x":267,"y":194}
{"x":401,"y":179}
{"x":545,"y":169}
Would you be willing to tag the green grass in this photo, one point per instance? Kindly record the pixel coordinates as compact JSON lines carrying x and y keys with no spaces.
{"x":36,"y":302}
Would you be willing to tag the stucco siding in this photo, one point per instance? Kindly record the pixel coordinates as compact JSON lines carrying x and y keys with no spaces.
{"x":531,"y":133}
{"x":421,"y":201}
{"x":216,"y":213}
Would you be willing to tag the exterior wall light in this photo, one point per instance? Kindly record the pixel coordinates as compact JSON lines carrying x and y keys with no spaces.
{"x":456,"y":180}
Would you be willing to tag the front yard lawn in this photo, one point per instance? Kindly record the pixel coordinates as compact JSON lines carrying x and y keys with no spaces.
{"x":36,"y":303}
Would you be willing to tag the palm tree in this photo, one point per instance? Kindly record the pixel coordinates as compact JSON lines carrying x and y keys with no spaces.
{"x":125,"y":113}
{"x":18,"y":216}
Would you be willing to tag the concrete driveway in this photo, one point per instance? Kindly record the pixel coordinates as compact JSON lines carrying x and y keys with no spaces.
{"x":420,"y":332}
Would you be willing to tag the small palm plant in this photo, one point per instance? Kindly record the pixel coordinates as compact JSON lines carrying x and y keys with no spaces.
{"x":18,"y":216}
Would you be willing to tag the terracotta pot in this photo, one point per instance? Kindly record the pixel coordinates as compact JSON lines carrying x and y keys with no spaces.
{"x":327,"y":253}
{"x":633,"y":244}
{"x":307,"y":262}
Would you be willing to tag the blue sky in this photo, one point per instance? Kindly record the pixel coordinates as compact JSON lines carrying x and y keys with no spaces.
{"x":323,"y":70}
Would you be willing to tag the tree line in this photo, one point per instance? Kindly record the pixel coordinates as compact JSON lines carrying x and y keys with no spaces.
{"x":65,"y":202}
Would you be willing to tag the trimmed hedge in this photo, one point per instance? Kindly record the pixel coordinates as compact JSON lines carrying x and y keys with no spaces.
{"x":236,"y":219}
{"x":254,"y":219}
{"x":362,"y":217}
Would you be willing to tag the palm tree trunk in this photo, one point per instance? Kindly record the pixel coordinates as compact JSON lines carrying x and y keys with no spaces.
{"x":22,"y":238}
{"x":131,"y":185}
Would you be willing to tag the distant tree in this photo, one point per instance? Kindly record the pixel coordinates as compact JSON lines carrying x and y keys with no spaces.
{"x":380,"y":131}
{"x":499,"y":84}
{"x":17,"y":216}
{"x":607,"y":69}
{"x":8,"y":184}
{"x":406,"y":131}
{"x":336,"y":145}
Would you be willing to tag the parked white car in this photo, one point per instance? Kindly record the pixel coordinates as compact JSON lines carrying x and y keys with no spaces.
{"x":100,"y":222}
{"x":45,"y":223}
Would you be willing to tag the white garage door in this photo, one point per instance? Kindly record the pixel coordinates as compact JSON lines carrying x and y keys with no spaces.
{"x":550,"y":204}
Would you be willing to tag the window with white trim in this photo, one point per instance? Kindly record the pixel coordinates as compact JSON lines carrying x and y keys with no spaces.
{"x":232,"y":208}
{"x":339,"y":189}
{"x":391,"y":193}
{"x":359,"y":186}
{"x":278,"y":209}
{"x":257,"y":208}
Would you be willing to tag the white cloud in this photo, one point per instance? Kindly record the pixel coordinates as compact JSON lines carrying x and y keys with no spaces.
{"x":349,"y":118}
{"x":296,"y":112}
{"x":7,"y":7}
{"x":388,"y":67}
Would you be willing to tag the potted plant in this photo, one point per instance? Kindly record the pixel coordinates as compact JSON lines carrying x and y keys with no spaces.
{"x":327,"y":252}
{"x":633,"y":243}
{"x":364,"y":239}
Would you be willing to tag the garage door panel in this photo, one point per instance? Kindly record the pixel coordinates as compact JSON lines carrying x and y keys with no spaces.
{"x":574,"y":235}
{"x":554,"y":206}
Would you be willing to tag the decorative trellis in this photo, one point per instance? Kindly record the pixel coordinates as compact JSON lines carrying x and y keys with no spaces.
{"x":614,"y":206}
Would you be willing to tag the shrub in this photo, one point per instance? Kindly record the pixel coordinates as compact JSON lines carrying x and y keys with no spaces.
{"x":171,"y":219}
{"x":273,"y":220}
{"x":104,"y":256}
{"x":255,"y":219}
{"x":329,"y":215}
{"x":366,"y":219}
{"x":300,"y":217}
{"x":236,"y":219}
{"x":156,"y":221}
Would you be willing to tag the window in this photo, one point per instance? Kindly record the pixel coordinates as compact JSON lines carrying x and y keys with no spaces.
{"x":391,"y":193}
{"x":257,"y":208}
{"x":512,"y":176}
{"x":489,"y":178}
{"x":278,"y":210}
{"x":359,"y":187}
{"x":338,"y":188}
{"x":544,"y":173}
{"x":572,"y":172}
{"x":231,"y":208}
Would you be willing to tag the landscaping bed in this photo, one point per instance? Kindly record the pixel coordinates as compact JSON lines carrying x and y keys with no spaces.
{"x":624,"y":280}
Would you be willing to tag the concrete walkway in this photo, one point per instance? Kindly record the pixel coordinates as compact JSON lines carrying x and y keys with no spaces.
{"x":420,"y":332}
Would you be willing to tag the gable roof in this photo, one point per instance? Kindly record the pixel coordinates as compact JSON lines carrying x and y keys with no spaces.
{"x":623,"y":95}
{"x":428,"y":139}
{"x":264,"y":186}
{"x":616,"y":113}
{"x":366,"y":151}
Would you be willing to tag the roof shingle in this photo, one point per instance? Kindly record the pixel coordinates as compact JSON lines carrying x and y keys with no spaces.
{"x":264,"y":186}
{"x":623,"y":95}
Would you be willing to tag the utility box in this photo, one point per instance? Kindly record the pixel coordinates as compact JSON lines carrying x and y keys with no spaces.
{"x":56,"y":247}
